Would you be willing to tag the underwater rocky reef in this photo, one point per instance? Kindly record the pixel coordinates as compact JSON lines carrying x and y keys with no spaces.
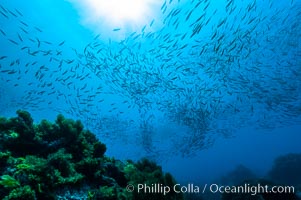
{"x":62,"y":160}
{"x":286,"y":169}
{"x":284,"y":173}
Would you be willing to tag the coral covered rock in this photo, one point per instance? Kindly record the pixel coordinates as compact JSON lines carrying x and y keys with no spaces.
{"x":61,"y":160}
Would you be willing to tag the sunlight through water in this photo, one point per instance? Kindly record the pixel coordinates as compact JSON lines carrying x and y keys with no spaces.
{"x":116,"y":18}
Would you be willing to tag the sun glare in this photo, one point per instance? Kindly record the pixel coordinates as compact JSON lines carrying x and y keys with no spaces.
{"x":120,"y":10}
{"x":123,"y":16}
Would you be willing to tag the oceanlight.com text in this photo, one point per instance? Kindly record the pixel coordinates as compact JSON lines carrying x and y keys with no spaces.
{"x":251,"y":189}
{"x":158,"y":188}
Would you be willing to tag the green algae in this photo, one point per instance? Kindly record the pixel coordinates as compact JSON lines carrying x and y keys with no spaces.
{"x":61,"y":160}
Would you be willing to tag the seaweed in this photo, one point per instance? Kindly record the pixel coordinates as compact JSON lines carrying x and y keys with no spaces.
{"x":62,"y":160}
{"x":9,"y":182}
{"x":21,"y":193}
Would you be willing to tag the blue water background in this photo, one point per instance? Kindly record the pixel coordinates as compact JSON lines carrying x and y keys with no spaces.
{"x":251,"y":126}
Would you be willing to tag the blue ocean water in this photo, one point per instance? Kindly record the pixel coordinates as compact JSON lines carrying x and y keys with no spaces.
{"x":201,"y":87}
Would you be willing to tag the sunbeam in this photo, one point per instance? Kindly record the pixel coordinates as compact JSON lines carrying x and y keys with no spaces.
{"x":119,"y":16}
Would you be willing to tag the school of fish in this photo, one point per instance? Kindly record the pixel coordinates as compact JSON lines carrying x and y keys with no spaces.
{"x":207,"y":72}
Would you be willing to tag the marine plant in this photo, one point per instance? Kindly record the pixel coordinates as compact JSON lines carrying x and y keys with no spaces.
{"x":13,"y":134}
{"x":61,"y":159}
{"x":148,"y":172}
{"x":4,"y":156}
{"x":8,"y":181}
{"x":21,"y":193}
